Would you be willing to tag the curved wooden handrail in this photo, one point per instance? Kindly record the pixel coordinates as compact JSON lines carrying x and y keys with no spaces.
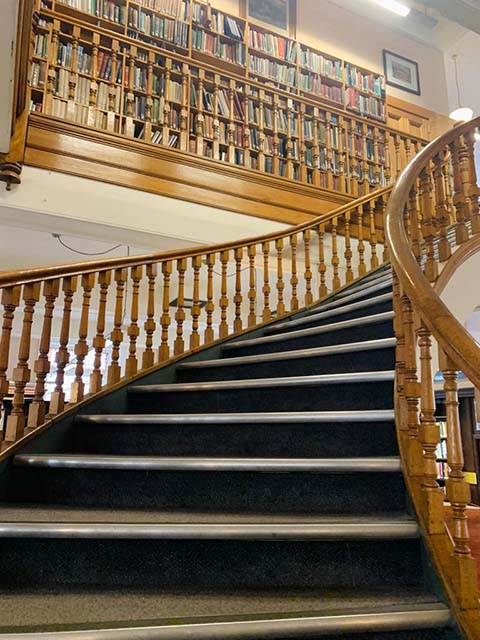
{"x":455,"y":339}
{"x":426,"y":227}
{"x":24,"y":276}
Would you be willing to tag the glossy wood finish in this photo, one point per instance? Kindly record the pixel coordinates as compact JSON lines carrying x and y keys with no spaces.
{"x":431,"y":228}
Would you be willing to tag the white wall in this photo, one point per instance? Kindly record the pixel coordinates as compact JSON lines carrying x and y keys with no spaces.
{"x":468,"y":51}
{"x":348,"y":35}
{"x":8,"y":22}
{"x":55,"y":202}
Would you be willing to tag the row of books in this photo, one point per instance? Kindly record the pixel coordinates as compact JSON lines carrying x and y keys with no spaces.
{"x":234,"y":52}
{"x":320,"y":64}
{"x":174,"y":8}
{"x":103,"y":97}
{"x":35,"y":105}
{"x":275,"y":70}
{"x":312,"y":83}
{"x":105,"y":66}
{"x":442,"y":470}
{"x":40,"y":48}
{"x":159,"y":27}
{"x":38,"y":74}
{"x":367,"y":106}
{"x":273,"y":45}
{"x":217,"y":21}
{"x":308,"y":130}
{"x":106,"y":9}
{"x":157,"y":137}
{"x":442,"y":449}
{"x":365,"y":81}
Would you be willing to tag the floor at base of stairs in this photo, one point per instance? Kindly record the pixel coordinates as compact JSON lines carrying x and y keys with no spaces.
{"x":49,"y":610}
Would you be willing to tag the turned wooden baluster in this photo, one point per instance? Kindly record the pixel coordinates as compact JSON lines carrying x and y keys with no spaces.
{"x":399,"y":330}
{"x":398,"y":164}
{"x":411,"y":387}
{"x":148,"y":357}
{"x":428,"y":225}
{"x":238,"y":298}
{"x":37,"y":410}
{"x":133,"y":331}
{"x":336,"y":284}
{"x":10,"y":301}
{"x":412,"y":223}
{"x":179,"y":343}
{"x":472,"y":189}
{"x":165,"y":320}
{"x":62,"y":358}
{"x":267,"y":313}
{"x":77,"y":390}
{"x":373,"y":235}
{"x":322,"y":267}
{"x":383,"y":205}
{"x":457,"y":489}
{"x":195,"y":310}
{"x":104,"y":280}
{"x":210,"y":306}
{"x":464,"y":170}
{"x":442,"y":213}
{"x":307,"y":234}
{"x":21,"y":374}
{"x":252,"y":289}
{"x":362,"y":267}
{"x":459,"y":200}
{"x":429,"y":435}
{"x":348,"y":249}
{"x":294,"y":277}
{"x":223,"y":327}
{"x":280,"y":282}
{"x":114,"y":370}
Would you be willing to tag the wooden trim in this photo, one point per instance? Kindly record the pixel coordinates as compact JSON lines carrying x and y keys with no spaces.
{"x":68,"y":148}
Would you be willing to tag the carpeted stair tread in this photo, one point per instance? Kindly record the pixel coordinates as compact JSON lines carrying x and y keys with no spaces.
{"x":62,"y":609}
{"x":351,"y":295}
{"x":311,"y":380}
{"x":371,"y":320}
{"x":366,"y":345}
{"x":54,"y":513}
{"x":362,"y":308}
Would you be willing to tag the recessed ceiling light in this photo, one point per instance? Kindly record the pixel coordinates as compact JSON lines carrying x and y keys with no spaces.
{"x":393,"y":5}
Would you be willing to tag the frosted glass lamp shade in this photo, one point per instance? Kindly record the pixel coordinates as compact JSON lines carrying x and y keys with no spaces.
{"x":462,"y":114}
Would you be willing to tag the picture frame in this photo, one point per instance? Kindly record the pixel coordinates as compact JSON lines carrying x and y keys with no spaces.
{"x":401,"y":73}
{"x":272,"y":14}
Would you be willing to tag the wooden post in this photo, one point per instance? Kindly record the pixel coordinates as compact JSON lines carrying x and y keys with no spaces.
{"x":179,"y":343}
{"x":133,"y":331}
{"x":10,"y":301}
{"x":252,"y":288}
{"x":267,"y":314}
{"x":280,"y":283}
{"x":238,"y":298}
{"x":104,"y":280}
{"x":195,"y":311}
{"x":210,"y":306}
{"x":223,"y":327}
{"x":77,"y":390}
{"x":308,"y":268}
{"x":114,"y":370}
{"x":164,"y":349}
{"x":148,"y":358}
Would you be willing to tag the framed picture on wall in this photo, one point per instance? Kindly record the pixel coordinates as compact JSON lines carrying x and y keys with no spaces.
{"x":274,"y":14}
{"x":401,"y":72}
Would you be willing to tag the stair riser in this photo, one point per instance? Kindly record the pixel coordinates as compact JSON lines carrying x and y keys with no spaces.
{"x":338,"y":317}
{"x":320,"y":440}
{"x":359,"y":396}
{"x":214,"y":565}
{"x":210,"y":491}
{"x":359,"y":333}
{"x":354,"y":361}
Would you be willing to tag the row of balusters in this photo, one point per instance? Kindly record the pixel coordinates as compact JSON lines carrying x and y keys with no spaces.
{"x":442,"y":213}
{"x":224,"y":308}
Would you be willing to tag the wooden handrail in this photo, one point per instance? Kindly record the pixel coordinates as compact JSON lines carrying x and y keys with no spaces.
{"x":433,"y":212}
{"x":24,"y":276}
{"x":455,"y":339}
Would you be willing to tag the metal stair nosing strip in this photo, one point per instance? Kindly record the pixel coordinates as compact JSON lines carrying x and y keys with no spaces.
{"x":367,"y":345}
{"x":301,"y":333}
{"x":261,"y":383}
{"x":430,"y":616}
{"x":365,"y":284}
{"x":341,"y":300}
{"x":375,"y":415}
{"x":174,"y":463}
{"x":322,"y":532}
{"x":321,"y":315}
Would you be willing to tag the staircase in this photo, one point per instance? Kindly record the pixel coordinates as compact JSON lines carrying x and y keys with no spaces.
{"x":253,"y":491}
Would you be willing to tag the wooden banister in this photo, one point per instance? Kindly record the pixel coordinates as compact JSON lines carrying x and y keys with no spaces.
{"x":106,"y":321}
{"x":432,"y":214}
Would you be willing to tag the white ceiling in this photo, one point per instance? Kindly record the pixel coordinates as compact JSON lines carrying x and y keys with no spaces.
{"x":424,"y":24}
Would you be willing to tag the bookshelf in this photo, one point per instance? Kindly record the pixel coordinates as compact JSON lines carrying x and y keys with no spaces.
{"x":185,"y":75}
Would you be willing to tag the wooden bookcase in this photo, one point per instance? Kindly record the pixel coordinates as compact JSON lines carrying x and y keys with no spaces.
{"x":182,"y":74}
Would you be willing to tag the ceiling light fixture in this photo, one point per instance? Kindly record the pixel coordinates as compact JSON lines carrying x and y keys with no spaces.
{"x":460,"y":114}
{"x":399,"y":8}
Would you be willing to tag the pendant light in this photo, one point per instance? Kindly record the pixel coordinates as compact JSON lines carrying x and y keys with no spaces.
{"x":460,"y":114}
